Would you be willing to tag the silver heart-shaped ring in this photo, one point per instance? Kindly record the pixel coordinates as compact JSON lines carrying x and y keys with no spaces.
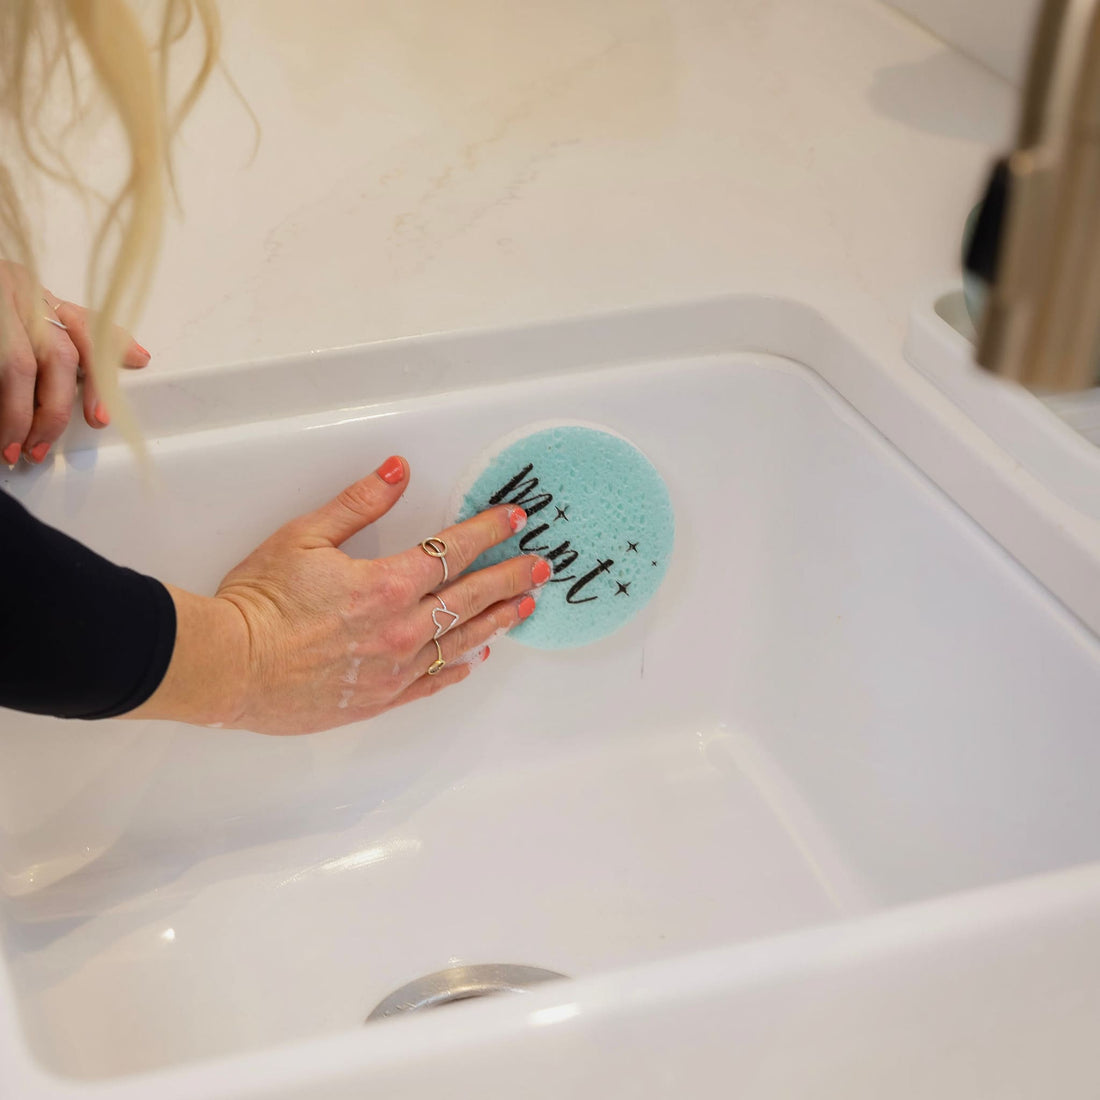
{"x":450,"y":618}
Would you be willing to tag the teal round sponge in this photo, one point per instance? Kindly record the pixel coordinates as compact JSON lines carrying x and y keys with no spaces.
{"x":597,"y":510}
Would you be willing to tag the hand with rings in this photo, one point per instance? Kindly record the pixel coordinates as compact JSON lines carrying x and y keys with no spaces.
{"x":45,"y":348}
{"x":301,"y":637}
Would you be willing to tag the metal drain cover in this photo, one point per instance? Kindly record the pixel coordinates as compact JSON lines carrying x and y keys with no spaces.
{"x":460,"y":983}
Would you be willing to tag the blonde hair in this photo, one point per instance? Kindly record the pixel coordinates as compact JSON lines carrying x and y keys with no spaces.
{"x":52,"y":47}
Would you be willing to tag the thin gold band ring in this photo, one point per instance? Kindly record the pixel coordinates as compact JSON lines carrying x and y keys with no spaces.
{"x":437,"y":548}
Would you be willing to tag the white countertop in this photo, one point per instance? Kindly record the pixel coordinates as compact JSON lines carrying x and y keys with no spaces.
{"x":428,"y":165}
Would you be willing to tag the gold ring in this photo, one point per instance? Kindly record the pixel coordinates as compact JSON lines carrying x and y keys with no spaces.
{"x":438,"y":663}
{"x":437,"y":548}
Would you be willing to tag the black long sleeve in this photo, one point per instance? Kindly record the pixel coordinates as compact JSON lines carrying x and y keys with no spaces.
{"x":80,"y":637}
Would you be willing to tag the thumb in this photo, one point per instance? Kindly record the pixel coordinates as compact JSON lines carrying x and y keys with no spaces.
{"x":358,"y":505}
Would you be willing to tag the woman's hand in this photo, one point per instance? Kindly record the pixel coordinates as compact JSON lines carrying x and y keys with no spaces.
{"x":300,"y":637}
{"x":45,"y":346}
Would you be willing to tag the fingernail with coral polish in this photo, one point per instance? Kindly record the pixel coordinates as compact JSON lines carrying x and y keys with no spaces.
{"x":11,"y":453}
{"x":517,"y":519}
{"x":39,"y":451}
{"x":391,"y":471}
{"x":540,"y":572}
{"x":485,"y":653}
{"x":101,"y":414}
{"x":526,"y":607}
{"x":142,"y":350}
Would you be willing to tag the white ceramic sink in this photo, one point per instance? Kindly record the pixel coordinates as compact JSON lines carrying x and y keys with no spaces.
{"x":845,"y":700}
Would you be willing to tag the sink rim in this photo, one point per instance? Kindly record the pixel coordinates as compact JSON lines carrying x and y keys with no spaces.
{"x":1054,"y":541}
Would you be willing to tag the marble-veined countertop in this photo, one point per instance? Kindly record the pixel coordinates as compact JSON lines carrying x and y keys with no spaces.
{"x":430,"y":165}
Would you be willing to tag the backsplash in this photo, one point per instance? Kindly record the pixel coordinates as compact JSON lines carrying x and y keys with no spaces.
{"x":995,"y":32}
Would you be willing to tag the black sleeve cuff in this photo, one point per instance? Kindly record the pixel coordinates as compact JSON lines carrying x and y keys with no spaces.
{"x":154,"y":629}
{"x":82,"y":637}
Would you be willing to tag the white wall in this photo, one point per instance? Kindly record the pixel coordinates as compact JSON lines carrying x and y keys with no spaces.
{"x":995,"y":32}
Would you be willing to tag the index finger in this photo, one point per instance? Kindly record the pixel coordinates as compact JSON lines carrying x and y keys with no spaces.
{"x":78,"y":320}
{"x":443,"y":557}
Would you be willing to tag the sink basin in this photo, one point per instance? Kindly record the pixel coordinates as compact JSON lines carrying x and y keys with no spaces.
{"x":845,"y":701}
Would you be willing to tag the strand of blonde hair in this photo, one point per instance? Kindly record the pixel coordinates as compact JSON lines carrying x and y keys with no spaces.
{"x":37,"y":41}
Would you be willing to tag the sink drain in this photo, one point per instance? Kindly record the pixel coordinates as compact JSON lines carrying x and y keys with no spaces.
{"x":461,"y":983}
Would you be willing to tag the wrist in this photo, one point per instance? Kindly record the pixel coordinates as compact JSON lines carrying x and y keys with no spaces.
{"x":206,"y":680}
